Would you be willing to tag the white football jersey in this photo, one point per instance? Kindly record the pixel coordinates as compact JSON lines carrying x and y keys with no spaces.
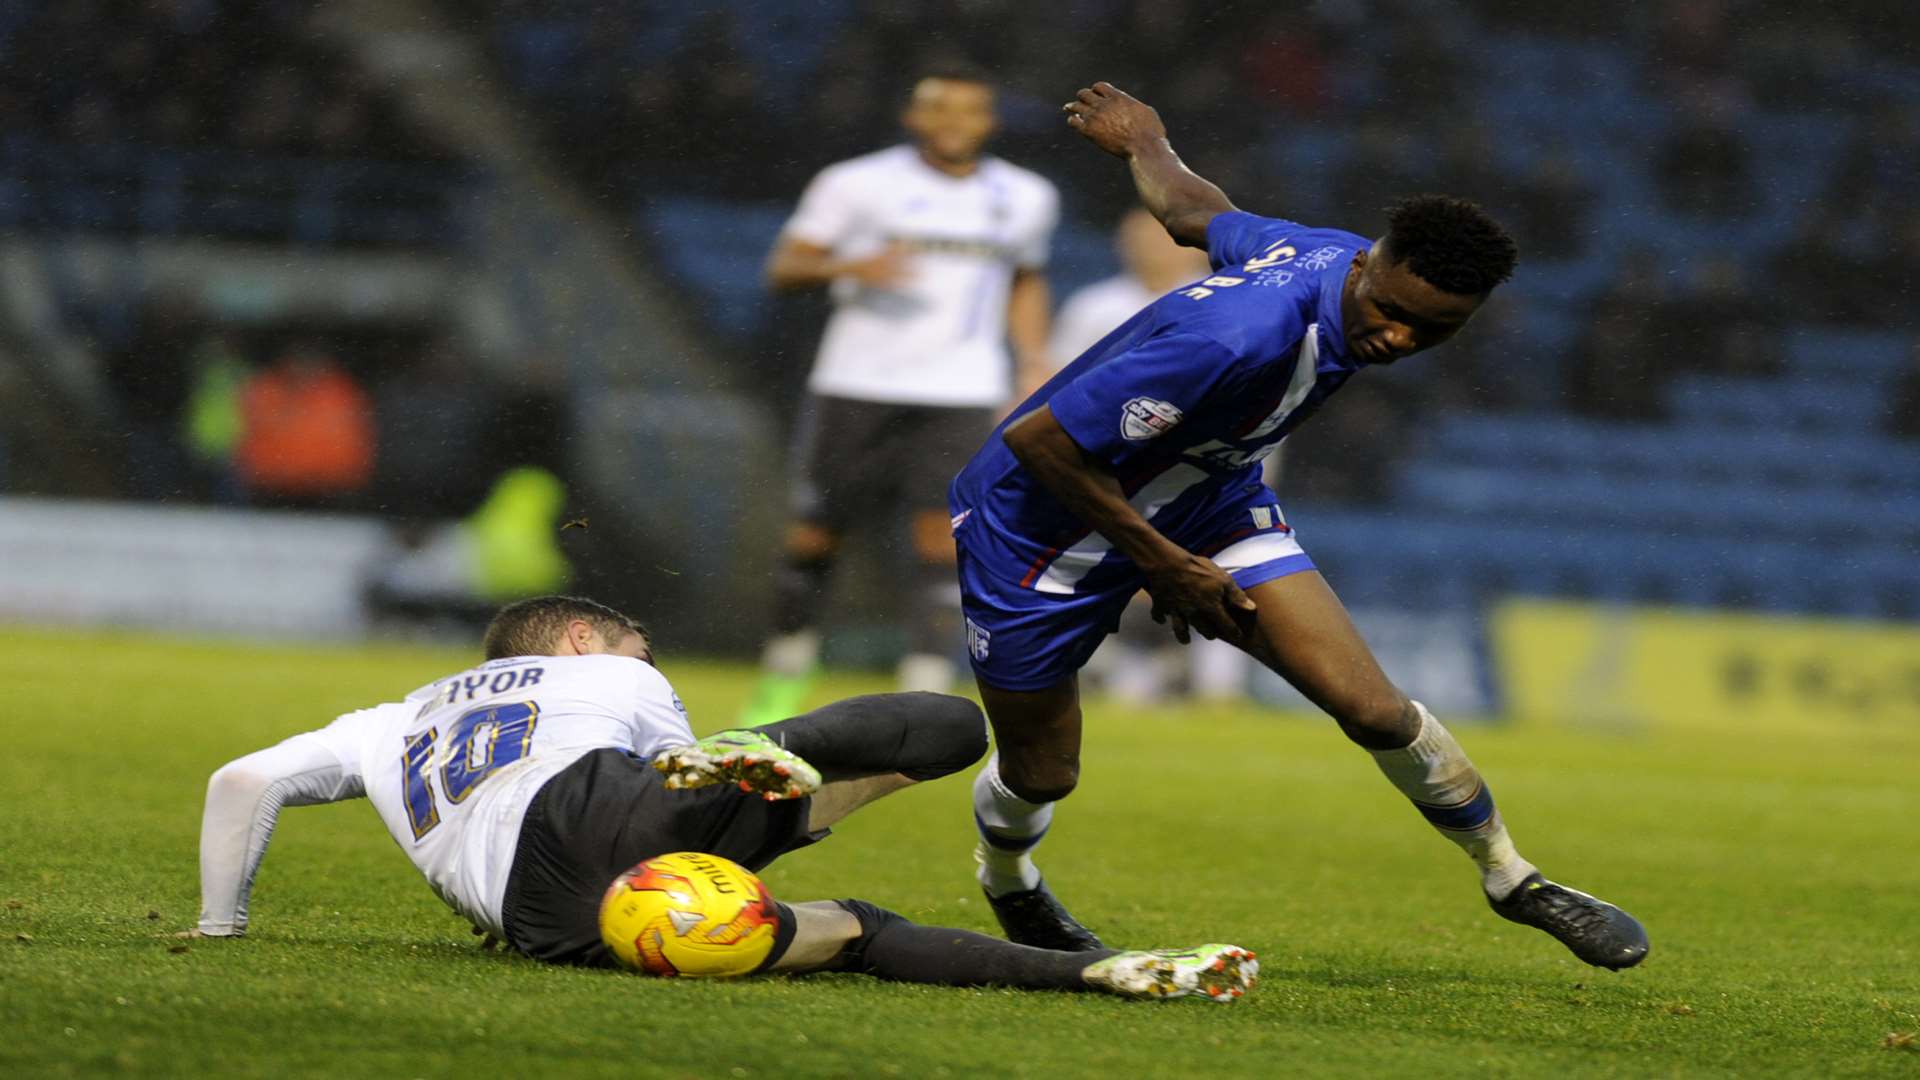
{"x":451,"y":771}
{"x":939,"y":338}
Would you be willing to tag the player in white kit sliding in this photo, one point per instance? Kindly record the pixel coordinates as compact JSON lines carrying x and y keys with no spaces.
{"x":522,"y":787}
{"x":933,"y":253}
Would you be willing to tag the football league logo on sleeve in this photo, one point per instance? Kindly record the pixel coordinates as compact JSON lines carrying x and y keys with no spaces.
{"x":1147,"y":418}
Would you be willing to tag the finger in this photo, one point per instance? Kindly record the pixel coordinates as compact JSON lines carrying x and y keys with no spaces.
{"x":1180,"y":631}
{"x":1237,"y":597}
{"x":1105,"y":88}
{"x":1077,"y":122}
{"x":1221,"y":624}
{"x":1088,"y":96}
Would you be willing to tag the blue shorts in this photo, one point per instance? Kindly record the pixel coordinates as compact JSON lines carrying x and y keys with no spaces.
{"x":1030,"y":627}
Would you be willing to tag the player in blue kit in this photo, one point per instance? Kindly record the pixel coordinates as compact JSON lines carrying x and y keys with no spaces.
{"x":1137,"y":466}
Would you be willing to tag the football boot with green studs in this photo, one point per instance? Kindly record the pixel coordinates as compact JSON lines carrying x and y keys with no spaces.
{"x":747,"y":759}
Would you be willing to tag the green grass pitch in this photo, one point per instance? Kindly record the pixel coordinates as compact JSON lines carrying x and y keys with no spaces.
{"x":1777,"y":871}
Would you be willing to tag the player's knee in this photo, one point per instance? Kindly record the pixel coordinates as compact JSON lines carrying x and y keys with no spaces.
{"x":1383,"y":720}
{"x":951,"y":733}
{"x":808,"y":541}
{"x":1043,"y":782}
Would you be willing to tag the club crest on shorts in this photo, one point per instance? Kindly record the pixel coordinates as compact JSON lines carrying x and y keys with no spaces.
{"x":978,"y":640}
{"x":1148,"y":418}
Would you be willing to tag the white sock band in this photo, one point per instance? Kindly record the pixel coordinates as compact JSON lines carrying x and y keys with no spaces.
{"x":1434,"y":772}
{"x":1009,"y":827}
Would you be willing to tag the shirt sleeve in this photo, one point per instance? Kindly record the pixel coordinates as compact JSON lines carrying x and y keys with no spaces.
{"x":1037,"y":246}
{"x":1123,"y":405}
{"x":827,"y":210}
{"x":1236,"y":236}
{"x":659,"y":719}
{"x":244,"y":798}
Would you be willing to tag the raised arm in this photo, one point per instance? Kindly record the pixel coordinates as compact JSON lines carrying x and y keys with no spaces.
{"x":244,"y":798}
{"x":1128,"y":128}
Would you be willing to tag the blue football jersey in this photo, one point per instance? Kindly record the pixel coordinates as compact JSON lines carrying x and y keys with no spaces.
{"x":1182,"y":401}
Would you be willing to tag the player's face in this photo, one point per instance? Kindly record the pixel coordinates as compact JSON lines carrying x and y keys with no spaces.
{"x":950,"y":120}
{"x":1390,"y":312}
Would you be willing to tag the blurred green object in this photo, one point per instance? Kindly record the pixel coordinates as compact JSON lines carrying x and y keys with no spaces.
{"x":515,"y":553}
{"x":211,"y":419}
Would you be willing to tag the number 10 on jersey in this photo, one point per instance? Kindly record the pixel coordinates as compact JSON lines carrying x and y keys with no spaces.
{"x":480,"y":743}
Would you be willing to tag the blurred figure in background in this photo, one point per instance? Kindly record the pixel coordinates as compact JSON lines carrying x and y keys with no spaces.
{"x":1152,"y":265}
{"x":507,"y":549}
{"x":1137,"y":664}
{"x":307,"y":436}
{"x":933,"y":253}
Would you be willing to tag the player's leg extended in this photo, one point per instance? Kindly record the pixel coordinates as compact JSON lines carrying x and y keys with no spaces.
{"x":933,"y":630}
{"x":792,"y":654}
{"x":853,"y":935}
{"x":826,"y":494}
{"x":1303,"y":632}
{"x":1036,"y":763}
{"x":927,"y":447}
{"x":913,"y":737}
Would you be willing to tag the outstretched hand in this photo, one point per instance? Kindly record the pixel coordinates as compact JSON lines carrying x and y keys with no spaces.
{"x":1113,"y":120}
{"x":1198,"y":595}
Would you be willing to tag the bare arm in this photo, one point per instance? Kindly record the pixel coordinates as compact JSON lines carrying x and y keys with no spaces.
{"x":1125,"y":127}
{"x":1029,"y":321}
{"x":798,"y":264}
{"x":1184,"y":586}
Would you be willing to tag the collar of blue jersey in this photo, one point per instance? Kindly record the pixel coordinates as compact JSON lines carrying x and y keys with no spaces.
{"x":1333,"y":333}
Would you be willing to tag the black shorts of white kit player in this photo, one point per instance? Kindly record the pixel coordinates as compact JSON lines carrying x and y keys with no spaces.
{"x":611,"y":809}
{"x":855,"y":458}
{"x":598,"y":817}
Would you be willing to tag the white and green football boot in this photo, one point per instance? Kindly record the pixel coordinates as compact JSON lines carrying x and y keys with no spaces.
{"x":1220,"y":972}
{"x":747,"y":759}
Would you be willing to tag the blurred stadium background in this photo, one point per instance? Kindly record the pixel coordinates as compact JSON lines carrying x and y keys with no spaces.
{"x":321,"y":321}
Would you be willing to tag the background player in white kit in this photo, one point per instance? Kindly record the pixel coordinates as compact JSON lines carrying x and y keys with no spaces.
{"x":1136,"y":664}
{"x":522,"y":787}
{"x":934,"y":254}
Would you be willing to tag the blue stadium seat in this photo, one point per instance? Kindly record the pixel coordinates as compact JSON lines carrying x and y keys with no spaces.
{"x":1779,"y":404}
{"x":1857,"y":459}
{"x":1843,"y":351}
{"x":1424,"y":562}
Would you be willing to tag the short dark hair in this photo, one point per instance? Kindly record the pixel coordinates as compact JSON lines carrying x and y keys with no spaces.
{"x":1450,"y":244}
{"x":528,"y":627}
{"x":953,"y":70}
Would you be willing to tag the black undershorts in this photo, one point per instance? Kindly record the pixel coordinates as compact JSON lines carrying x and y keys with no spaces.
{"x":598,"y":817}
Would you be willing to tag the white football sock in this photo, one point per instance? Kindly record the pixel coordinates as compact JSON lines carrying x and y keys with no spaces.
{"x":1434,"y":772}
{"x":1009,"y":827}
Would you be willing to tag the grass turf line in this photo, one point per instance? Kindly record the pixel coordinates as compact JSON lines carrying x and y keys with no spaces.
{"x":1775,"y":870}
